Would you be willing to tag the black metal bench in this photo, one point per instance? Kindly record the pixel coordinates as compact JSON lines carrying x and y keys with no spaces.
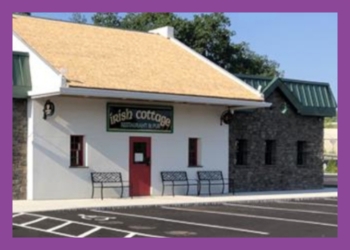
{"x":212,"y":178}
{"x":176,"y":178}
{"x":114,"y":178}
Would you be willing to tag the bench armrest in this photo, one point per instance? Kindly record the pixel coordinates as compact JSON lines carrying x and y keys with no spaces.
{"x":230,"y":179}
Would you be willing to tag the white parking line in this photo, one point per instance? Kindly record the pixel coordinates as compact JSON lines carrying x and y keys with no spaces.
{"x":252,"y":216}
{"x":45,"y":231}
{"x":279,"y":209}
{"x":33,"y":221}
{"x":184,"y":222}
{"x":89,"y":232}
{"x":306,"y":203}
{"x":59,"y":226}
{"x":16,"y":215}
{"x":92,"y":225}
{"x":130,"y":235}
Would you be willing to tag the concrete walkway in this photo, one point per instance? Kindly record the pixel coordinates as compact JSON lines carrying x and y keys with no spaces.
{"x":47,"y":205}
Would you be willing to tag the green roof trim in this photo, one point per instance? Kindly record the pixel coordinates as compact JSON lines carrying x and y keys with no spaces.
{"x":21,"y":78}
{"x":309,"y":98}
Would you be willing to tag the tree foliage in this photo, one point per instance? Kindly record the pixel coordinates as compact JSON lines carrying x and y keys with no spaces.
{"x":332,"y":167}
{"x":107,"y":19}
{"x":23,"y":13}
{"x":331,"y":122}
{"x":208,"y":34}
{"x":78,"y":18}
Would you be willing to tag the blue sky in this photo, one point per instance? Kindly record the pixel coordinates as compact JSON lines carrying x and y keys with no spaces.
{"x":304,"y":44}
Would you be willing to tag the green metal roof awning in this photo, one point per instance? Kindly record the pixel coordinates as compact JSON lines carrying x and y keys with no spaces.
{"x":309,"y":98}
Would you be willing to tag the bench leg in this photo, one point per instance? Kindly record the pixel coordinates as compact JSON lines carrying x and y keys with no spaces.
{"x":121,"y":195}
{"x":92,"y":195}
{"x":187,"y":189}
{"x":173,"y":190}
{"x":199,"y":188}
{"x":163,"y":190}
{"x":101,"y":191}
{"x":223,"y":188}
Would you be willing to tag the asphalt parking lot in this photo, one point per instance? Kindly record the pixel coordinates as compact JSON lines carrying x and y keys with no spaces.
{"x":279,"y":218}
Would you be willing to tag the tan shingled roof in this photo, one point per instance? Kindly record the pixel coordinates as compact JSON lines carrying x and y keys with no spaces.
{"x":106,"y":58}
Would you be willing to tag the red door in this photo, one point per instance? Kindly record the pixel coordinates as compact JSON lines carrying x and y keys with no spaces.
{"x":140,"y":166}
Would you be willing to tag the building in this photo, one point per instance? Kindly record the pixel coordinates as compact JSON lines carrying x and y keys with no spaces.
{"x":281,"y":147}
{"x":89,"y":98}
{"x":102,"y":99}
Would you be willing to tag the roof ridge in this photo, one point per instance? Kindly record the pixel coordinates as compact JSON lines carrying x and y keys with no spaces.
{"x":256,"y":77}
{"x":84,"y":24}
{"x":305,"y":81}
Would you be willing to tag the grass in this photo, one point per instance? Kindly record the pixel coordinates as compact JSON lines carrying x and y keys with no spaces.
{"x":332,"y":167}
{"x":330,"y":125}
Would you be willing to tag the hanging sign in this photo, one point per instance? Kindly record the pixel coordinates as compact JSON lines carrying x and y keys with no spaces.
{"x":128,"y":118}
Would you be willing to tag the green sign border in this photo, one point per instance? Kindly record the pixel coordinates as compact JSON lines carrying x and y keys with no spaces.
{"x":110,"y":104}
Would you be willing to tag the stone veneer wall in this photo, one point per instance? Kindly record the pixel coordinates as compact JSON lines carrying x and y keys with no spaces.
{"x":287,"y":129}
{"x":19,"y":149}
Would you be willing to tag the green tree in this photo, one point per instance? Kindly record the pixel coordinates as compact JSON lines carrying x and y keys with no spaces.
{"x":208,"y":34}
{"x":107,"y":19}
{"x":78,"y":18}
{"x":147,"y":21}
{"x":332,"y":167}
{"x":23,"y":13}
{"x":331,"y":122}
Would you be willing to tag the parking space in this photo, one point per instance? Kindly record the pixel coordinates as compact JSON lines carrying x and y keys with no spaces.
{"x":280,"y":218}
{"x":59,"y":223}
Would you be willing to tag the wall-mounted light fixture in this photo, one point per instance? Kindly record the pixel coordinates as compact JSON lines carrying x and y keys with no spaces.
{"x":227,"y":116}
{"x":284,"y":108}
{"x":49,"y":109}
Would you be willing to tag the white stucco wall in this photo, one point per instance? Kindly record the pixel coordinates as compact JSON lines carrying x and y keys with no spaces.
{"x":109,"y":151}
{"x":44,"y":77}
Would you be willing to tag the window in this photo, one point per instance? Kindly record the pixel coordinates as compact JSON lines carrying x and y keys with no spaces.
{"x":241,"y":152}
{"x":193,"y":152}
{"x":301,"y":153}
{"x":270,"y":152}
{"x":76,"y":151}
{"x":140,"y":152}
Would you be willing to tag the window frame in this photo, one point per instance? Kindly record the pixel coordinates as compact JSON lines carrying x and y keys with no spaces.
{"x":81,"y":151}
